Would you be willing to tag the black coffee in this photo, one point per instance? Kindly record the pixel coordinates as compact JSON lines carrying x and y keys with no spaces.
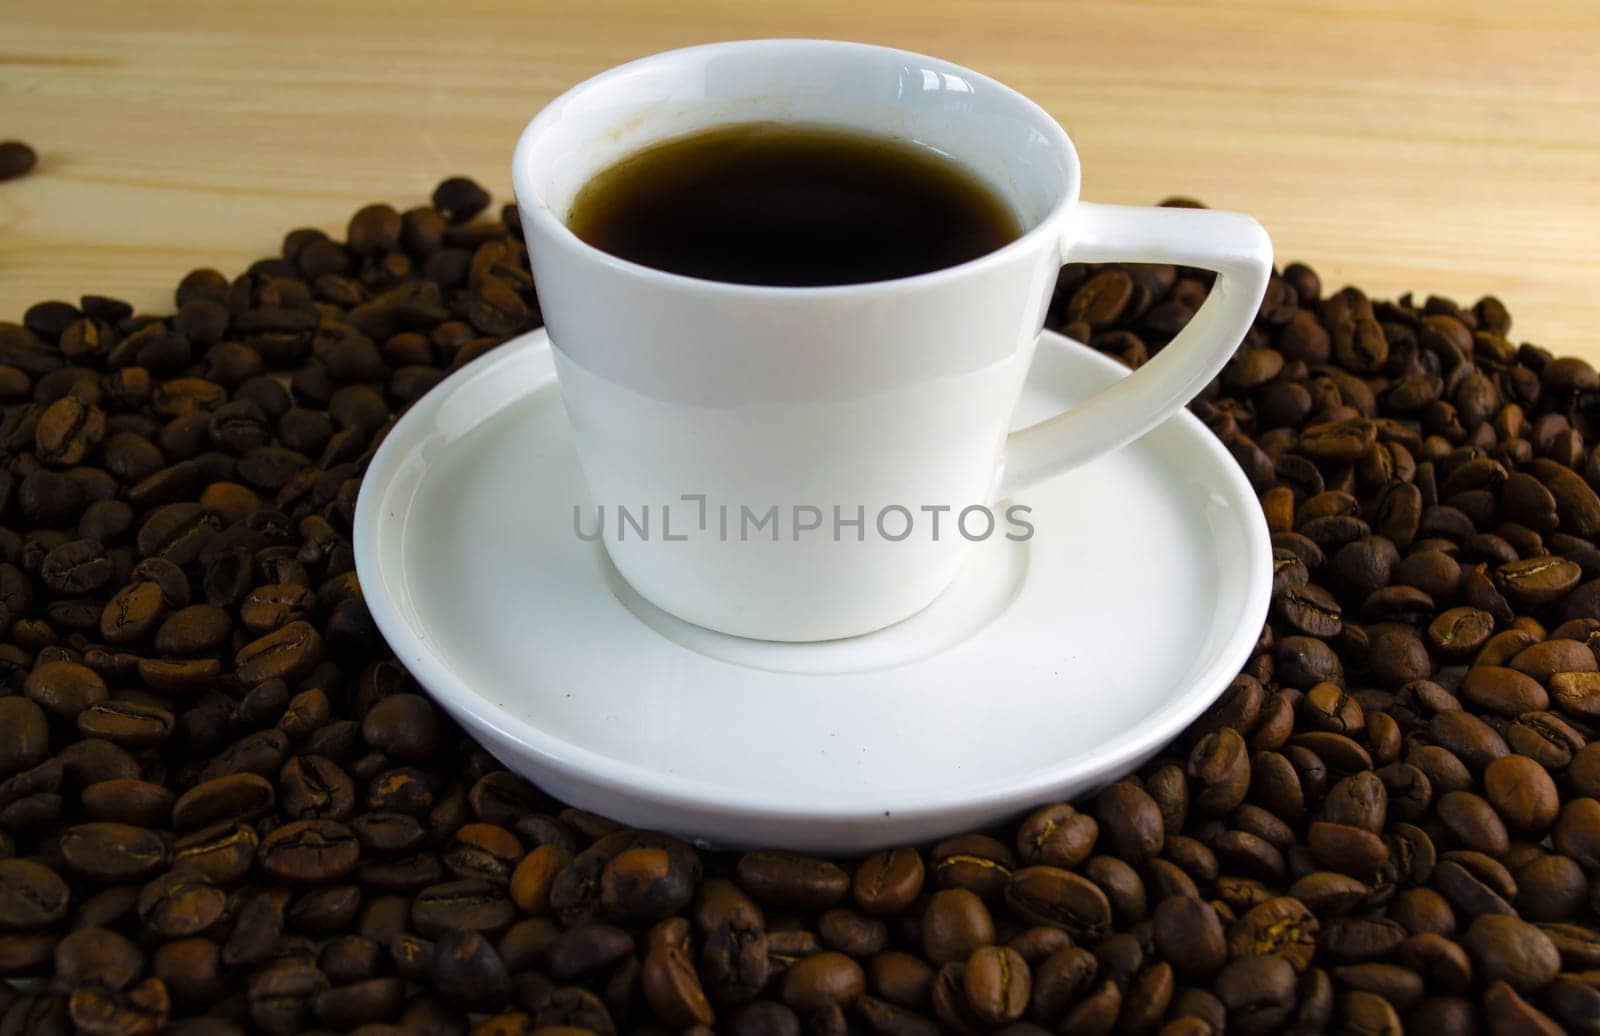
{"x":793,"y":205}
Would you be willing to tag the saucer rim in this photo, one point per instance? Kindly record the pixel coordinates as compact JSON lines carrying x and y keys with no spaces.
{"x":573,"y":764}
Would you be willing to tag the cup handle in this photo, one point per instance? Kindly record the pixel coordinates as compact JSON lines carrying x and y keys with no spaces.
{"x":1233,"y":245}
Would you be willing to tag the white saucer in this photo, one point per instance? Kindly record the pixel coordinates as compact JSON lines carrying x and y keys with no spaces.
{"x":1050,"y":668}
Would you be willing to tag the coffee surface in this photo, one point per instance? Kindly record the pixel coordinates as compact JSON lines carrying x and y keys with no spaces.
{"x":791,"y":205}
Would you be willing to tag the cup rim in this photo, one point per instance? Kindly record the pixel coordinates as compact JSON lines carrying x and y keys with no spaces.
{"x":532,"y":208}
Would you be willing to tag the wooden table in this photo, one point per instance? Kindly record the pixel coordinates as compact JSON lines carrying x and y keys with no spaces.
{"x":1448,"y":146}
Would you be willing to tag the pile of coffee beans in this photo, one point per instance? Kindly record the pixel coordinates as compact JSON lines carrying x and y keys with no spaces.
{"x":224,"y":808}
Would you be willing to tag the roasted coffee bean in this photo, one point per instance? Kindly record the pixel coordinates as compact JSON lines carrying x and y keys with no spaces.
{"x":1193,"y":857}
{"x":273,"y":606}
{"x":402,"y":726}
{"x":1473,"y":822}
{"x":312,"y":787}
{"x":126,"y":723}
{"x":1460,"y":631}
{"x":1547,"y":738}
{"x":885,"y":1017}
{"x":1401,"y":987}
{"x":1571,"y":1003}
{"x":1052,"y":896}
{"x":1278,"y":927}
{"x":401,"y":790}
{"x":1361,"y":800}
{"x":735,"y":958}
{"x":16,"y":159}
{"x":1466,"y":737}
{"x":178,"y":676}
{"x":1101,"y":299}
{"x":1169,"y":787}
{"x":1258,"y":992}
{"x":822,"y":979}
{"x":1189,"y":935}
{"x":67,"y":430}
{"x":192,"y":631}
{"x":97,"y":1008}
{"x":374,"y":229}
{"x":786,"y":947}
{"x":1364,"y":1012}
{"x":900,"y":978}
{"x":98,"y":953}
{"x":1578,"y":945}
{"x":112,"y":852}
{"x":64,"y":688}
{"x":221,"y":853}
{"x":384,"y":917}
{"x":240,"y":796}
{"x":1304,"y":662}
{"x":886,"y":883}
{"x":998,"y":984}
{"x":1124,"y":889}
{"x":483,"y":851}
{"x":1359,"y":940}
{"x":1522,"y":792}
{"x":1473,"y":884}
{"x":93,"y":760}
{"x":412,"y":957}
{"x":1039,"y":942}
{"x":469,"y":972}
{"x":325,"y":910}
{"x":1439,"y":961}
{"x":852,"y":932}
{"x":974,"y":862}
{"x":257,"y":928}
{"x":770,"y":1018}
{"x":586,"y":948}
{"x":309,"y":851}
{"x":180,"y":903}
{"x":360,"y":1004}
{"x":1550,"y":888}
{"x":467,"y":904}
{"x":954,"y":923}
{"x":287,"y":653}
{"x":672,"y":988}
{"x":1503,"y":691}
{"x":646,"y":883}
{"x":1577,"y":832}
{"x":1219,"y":772}
{"x":531,"y":880}
{"x":459,"y":199}
{"x":1165,"y":878}
{"x":1130,"y":821}
{"x":1328,"y":892}
{"x":1577,"y":694}
{"x":133,"y":613}
{"x":24,"y":734}
{"x":77,"y":567}
{"x":31,"y":895}
{"x":282,"y":997}
{"x":1347,"y":849}
{"x":106,"y":907}
{"x":793,"y":881}
{"x":1505,"y":949}
{"x":350,"y":958}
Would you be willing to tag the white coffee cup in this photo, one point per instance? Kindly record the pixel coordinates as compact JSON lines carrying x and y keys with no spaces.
{"x":732,"y":434}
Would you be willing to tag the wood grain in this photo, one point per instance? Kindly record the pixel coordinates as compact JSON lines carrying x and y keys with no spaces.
{"x":1449,"y":146}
